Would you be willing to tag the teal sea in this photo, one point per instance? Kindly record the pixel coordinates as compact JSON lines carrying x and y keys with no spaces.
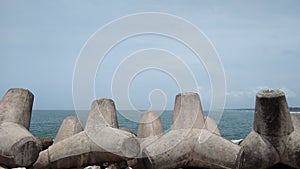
{"x":234,"y":124}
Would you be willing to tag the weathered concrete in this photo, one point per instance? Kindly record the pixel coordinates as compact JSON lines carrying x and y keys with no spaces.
{"x":102,"y":114}
{"x":214,"y":152}
{"x":211,"y":125}
{"x":190,"y":143}
{"x":18,"y":147}
{"x":188,"y":112}
{"x":16,"y":106}
{"x":76,"y":151}
{"x":275,"y":137}
{"x":272,"y":117}
{"x":99,"y":142}
{"x":296,"y":121}
{"x":126,"y":129}
{"x":102,"y":123}
{"x":150,"y":129}
{"x":150,"y":125}
{"x":69,"y":127}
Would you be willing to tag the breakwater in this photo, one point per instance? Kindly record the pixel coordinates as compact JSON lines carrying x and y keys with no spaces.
{"x":193,"y":141}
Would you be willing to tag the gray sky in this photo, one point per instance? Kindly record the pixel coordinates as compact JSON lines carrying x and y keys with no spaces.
{"x":257,"y":42}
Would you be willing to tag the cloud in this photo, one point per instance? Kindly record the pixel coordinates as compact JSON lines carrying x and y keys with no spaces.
{"x":252,"y":92}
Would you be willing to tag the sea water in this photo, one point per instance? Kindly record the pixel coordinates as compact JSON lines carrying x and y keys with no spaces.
{"x":234,"y":124}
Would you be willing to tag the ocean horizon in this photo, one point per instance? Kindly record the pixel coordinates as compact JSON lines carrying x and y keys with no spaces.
{"x":234,"y":123}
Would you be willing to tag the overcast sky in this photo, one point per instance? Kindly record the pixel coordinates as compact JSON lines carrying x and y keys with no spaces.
{"x":258,"y":43}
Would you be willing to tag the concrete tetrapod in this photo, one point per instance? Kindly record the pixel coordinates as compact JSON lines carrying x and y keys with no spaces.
{"x":150,"y":125}
{"x":69,"y":127}
{"x":190,"y":143}
{"x":211,"y":125}
{"x":150,"y":129}
{"x":275,"y":137}
{"x":18,"y":147}
{"x":99,"y":142}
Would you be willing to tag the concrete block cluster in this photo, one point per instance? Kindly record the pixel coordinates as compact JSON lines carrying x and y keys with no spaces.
{"x":193,"y":140}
